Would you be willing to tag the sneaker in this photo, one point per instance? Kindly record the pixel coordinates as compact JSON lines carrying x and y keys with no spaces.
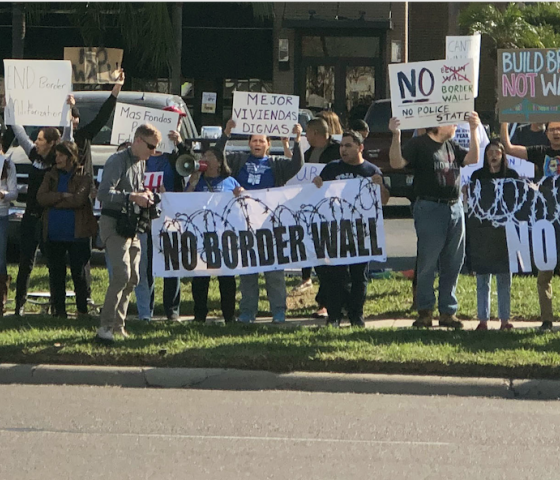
{"x":546,"y":325}
{"x":244,"y":318}
{"x":424,"y":319}
{"x":335,"y":323}
{"x":105,"y":334}
{"x":449,"y":320}
{"x":303,"y":286}
{"x":506,"y":326}
{"x":321,"y":313}
{"x":279,"y":317}
{"x":482,"y":326}
{"x":121,"y":332}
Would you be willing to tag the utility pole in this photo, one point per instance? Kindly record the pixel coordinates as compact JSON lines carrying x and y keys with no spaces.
{"x":177,"y":19}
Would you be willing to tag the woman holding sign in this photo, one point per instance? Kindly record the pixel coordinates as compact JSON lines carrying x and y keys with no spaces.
{"x":216,"y":178}
{"x":8,"y":192}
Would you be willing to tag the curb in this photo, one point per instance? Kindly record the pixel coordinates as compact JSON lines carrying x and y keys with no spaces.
{"x":232,"y":379}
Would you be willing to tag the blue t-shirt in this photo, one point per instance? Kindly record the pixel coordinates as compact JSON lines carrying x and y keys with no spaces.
{"x":218,"y":184}
{"x":338,"y":170}
{"x":62,"y":221}
{"x":161,"y":163}
{"x":256,"y":174}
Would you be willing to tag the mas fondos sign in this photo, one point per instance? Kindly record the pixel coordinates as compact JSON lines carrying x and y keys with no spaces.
{"x":428,"y":94}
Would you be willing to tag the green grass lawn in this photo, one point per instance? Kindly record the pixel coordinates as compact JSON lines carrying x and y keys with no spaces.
{"x":520,"y":353}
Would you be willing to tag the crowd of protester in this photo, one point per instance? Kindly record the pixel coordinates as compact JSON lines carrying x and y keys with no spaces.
{"x":61,"y":191}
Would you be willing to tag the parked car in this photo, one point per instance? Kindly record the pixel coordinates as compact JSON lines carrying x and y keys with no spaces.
{"x":376,"y":149}
{"x":89,"y":103}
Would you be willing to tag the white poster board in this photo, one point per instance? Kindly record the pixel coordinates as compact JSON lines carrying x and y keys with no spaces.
{"x":129,"y":117}
{"x":429,"y":94}
{"x":467,"y":46}
{"x":307,"y":173}
{"x":201,"y":234}
{"x":36,"y":92}
{"x":269,"y":114}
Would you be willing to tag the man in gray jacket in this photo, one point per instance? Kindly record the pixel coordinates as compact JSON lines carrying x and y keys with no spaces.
{"x":123,"y":179}
{"x":257,"y":171}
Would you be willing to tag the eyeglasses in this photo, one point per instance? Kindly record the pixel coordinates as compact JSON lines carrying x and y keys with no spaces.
{"x":149,"y":145}
{"x":554,"y":130}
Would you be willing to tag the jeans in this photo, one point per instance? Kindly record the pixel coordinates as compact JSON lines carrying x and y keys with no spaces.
{"x":124,"y":258}
{"x":4,"y":225}
{"x":227,"y":296}
{"x":145,"y":289}
{"x":483,"y":288}
{"x":339,"y":293}
{"x":440,"y":229}
{"x":275,"y":288}
{"x":29,"y":241}
{"x":79,"y":252}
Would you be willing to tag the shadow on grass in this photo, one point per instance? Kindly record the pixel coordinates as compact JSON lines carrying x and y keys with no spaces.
{"x":266,"y":347}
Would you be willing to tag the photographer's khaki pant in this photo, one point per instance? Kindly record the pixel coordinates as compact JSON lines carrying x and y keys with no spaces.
{"x":124,"y":256}
{"x":544,"y":287}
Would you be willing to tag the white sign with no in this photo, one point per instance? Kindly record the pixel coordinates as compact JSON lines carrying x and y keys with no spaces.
{"x":129,"y":117}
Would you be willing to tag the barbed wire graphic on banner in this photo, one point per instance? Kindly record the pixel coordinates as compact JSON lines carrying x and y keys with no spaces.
{"x":206,"y":220}
{"x":514,"y":201}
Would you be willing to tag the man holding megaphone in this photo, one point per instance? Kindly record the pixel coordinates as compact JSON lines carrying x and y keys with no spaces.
{"x":257,"y":170}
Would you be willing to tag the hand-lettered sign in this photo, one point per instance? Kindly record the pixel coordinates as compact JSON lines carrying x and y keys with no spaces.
{"x":529,"y":85}
{"x":428,"y":94}
{"x":264,"y":113}
{"x":36,"y":92}
{"x":208,"y":102}
{"x":462,"y":47}
{"x":153,"y":180}
{"x":129,"y":117}
{"x":94,"y":65}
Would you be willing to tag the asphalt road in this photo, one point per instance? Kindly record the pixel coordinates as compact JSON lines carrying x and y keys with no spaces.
{"x":50,"y":432}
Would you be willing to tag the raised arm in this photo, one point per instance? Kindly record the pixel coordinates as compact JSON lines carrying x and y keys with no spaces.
{"x":23,"y":139}
{"x":395,"y":152}
{"x":518,"y":151}
{"x":474,"y":146}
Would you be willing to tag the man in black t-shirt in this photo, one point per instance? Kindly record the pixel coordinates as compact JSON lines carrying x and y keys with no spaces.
{"x":335,"y":278}
{"x":547,"y":164}
{"x":438,"y":214}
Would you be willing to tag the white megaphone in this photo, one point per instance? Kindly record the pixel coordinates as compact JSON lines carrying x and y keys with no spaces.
{"x":186,"y":165}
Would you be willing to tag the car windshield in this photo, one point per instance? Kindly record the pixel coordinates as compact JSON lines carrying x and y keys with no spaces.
{"x":378,"y":116}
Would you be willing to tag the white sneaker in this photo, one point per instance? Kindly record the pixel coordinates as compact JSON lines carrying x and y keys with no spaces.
{"x":105,"y":333}
{"x":302,"y":287}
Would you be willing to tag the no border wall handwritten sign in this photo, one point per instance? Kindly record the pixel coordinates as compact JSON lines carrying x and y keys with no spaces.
{"x":94,"y":65}
{"x":428,"y":94}
{"x":467,"y":46}
{"x":264,"y":113}
{"x":529,"y":85}
{"x":129,"y":117}
{"x":36,"y":92}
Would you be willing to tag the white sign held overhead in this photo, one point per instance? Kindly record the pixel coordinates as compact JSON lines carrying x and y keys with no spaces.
{"x":36,"y":92}
{"x":129,"y":117}
{"x":264,"y":113}
{"x":429,"y":94}
{"x":461,"y":47}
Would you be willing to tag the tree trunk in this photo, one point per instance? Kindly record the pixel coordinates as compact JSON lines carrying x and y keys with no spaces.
{"x":18,"y":29}
{"x":177,"y":19}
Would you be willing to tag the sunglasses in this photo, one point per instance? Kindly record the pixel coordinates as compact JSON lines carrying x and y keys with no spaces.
{"x":149,"y":145}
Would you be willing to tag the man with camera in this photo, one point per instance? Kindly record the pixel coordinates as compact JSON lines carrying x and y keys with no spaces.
{"x":121,"y":192}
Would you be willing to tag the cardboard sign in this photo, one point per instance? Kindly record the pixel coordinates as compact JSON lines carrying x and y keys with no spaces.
{"x":129,"y":117}
{"x":36,"y":92}
{"x":529,"y":85}
{"x":264,"y":113}
{"x":202,"y":234}
{"x":153,"y":180}
{"x":208,"y":102}
{"x":461,"y":47}
{"x":429,"y":94}
{"x":94,"y":65}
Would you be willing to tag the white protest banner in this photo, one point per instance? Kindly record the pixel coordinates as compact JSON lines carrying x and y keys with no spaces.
{"x":36,"y":92}
{"x":428,"y":94}
{"x":129,"y":117}
{"x":95,"y":65}
{"x":264,"y":113}
{"x":467,"y":46}
{"x":307,"y":173}
{"x":208,"y":102}
{"x":289,"y":227}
